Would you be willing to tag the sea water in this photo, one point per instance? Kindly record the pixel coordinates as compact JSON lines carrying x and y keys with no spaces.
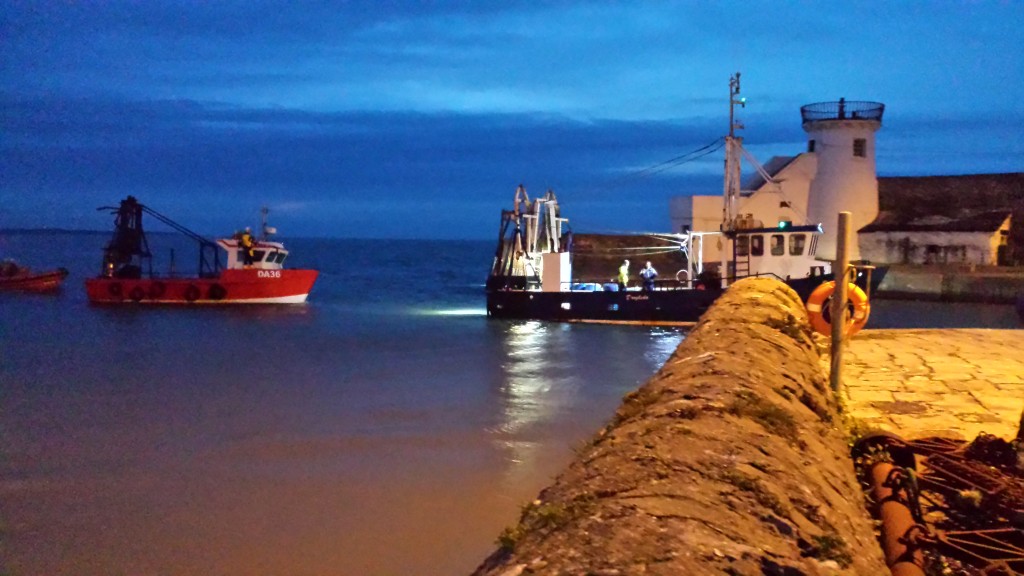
{"x":387,"y":427}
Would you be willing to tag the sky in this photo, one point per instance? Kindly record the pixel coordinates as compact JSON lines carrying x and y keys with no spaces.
{"x":418,"y":119}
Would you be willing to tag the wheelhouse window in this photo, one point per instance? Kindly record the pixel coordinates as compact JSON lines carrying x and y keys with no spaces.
{"x":742,"y":246}
{"x":797,"y":243}
{"x":860,"y":147}
{"x":280,"y":257}
{"x":259,"y":255}
{"x":778,"y":243}
{"x":757,"y":245}
{"x":810,"y":145}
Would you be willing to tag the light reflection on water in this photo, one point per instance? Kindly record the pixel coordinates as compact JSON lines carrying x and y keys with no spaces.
{"x":532,"y":388}
{"x":556,"y":383}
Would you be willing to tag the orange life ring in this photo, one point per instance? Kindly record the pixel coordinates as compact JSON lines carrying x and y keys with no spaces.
{"x":818,"y":308}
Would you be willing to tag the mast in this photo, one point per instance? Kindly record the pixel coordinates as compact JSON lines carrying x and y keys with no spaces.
{"x":265,"y":231}
{"x":731,"y":185}
{"x":733,"y":152}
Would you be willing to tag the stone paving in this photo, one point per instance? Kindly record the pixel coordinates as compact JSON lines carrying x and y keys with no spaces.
{"x":952,"y":383}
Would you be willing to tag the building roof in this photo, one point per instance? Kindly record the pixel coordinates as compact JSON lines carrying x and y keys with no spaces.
{"x":989,"y":221}
{"x":911,"y":197}
{"x":773,"y":166}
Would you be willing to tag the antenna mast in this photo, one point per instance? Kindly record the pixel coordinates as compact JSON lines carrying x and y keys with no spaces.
{"x":265,"y":230}
{"x":733,"y":149}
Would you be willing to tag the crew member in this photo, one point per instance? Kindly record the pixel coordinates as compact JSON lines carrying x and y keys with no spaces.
{"x":623,"y":275}
{"x":247,"y":247}
{"x":648,"y":274}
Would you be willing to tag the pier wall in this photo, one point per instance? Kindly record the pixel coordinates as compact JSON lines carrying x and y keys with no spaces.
{"x":999,"y":285}
{"x":729,"y":460}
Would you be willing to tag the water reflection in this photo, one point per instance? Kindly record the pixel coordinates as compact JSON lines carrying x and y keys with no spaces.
{"x":662,"y":343}
{"x":453,"y":312}
{"x":533,"y":387}
{"x":554,"y":374}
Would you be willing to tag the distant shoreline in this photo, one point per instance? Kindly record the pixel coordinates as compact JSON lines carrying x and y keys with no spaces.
{"x":51,"y":231}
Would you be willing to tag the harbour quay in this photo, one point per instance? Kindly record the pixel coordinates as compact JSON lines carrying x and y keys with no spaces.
{"x":954,"y":383}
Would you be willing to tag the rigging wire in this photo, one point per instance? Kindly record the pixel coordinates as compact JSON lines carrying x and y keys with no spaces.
{"x":695,"y":154}
{"x":690,"y":156}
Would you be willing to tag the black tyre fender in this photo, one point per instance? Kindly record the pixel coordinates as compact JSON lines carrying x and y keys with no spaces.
{"x":217,"y":292}
{"x":156,"y":290}
{"x":137,"y":294}
{"x":192,"y":293}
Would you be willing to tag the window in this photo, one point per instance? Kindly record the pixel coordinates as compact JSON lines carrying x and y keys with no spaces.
{"x":810,"y":145}
{"x":742,"y":246}
{"x":796,"y":244}
{"x":860,"y":147}
{"x":784,"y":204}
{"x":257,"y":255}
{"x":778,"y":244}
{"x":280,"y":257}
{"x":757,"y":245}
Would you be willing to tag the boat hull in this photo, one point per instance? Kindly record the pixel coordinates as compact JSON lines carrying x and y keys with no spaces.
{"x":660,"y":306}
{"x":230,"y":287}
{"x":34,"y":282}
{"x":672,"y":306}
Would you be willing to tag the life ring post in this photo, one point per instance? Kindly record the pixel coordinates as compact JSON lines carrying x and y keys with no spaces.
{"x":839,"y":270}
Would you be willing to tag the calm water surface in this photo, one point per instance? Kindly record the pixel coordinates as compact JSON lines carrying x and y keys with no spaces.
{"x":386,"y":428}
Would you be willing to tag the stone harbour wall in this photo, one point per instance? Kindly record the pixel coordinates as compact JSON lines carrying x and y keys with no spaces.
{"x":729,"y":460}
{"x":997,"y":285}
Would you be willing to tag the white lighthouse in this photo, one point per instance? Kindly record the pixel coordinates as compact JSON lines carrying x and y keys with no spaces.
{"x":842,"y":136}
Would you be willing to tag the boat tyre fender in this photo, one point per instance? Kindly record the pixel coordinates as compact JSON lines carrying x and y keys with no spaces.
{"x":137,"y":294}
{"x":217,"y":292}
{"x":819,"y":304}
{"x":116,"y":290}
{"x":682,"y":276}
{"x":191,"y":293}
{"x":157,"y":290}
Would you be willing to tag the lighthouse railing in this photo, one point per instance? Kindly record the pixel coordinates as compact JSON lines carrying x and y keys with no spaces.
{"x":842,"y":110}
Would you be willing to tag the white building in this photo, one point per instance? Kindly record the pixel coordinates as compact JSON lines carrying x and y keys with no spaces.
{"x":980,"y":239}
{"x":837,"y":173}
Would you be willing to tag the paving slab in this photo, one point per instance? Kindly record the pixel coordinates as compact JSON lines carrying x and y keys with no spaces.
{"x":956,"y":383}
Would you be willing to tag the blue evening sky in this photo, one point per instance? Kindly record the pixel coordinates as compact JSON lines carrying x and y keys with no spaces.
{"x":417,"y":119}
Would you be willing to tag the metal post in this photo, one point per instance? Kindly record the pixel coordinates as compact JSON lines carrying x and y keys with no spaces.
{"x":838,"y":312}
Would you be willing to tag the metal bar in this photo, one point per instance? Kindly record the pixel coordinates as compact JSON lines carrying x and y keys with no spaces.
{"x":898,"y":523}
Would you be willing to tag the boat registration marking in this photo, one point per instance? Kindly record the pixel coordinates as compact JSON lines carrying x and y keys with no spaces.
{"x":268,"y":274}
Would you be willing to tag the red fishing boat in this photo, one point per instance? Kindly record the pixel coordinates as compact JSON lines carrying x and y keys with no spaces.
{"x":22,"y":279}
{"x":128,"y":276}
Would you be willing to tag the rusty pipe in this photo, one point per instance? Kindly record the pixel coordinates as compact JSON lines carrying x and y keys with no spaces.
{"x":901,"y":548}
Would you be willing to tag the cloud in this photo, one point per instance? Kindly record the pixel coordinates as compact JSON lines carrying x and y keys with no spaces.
{"x":200,"y":153}
{"x":430,"y":109}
